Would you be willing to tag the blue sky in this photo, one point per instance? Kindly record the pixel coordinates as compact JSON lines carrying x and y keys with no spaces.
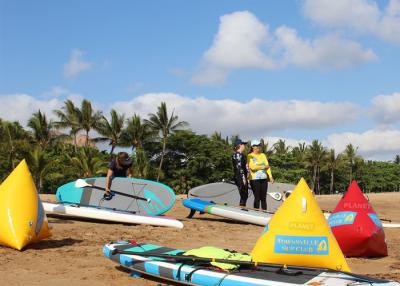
{"x":297,"y":70}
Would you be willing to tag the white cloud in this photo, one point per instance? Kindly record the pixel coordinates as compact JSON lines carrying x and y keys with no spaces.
{"x":386,"y":108}
{"x":61,"y":92}
{"x":20,"y":107}
{"x":329,"y":51}
{"x":288,"y":141}
{"x":237,"y":44}
{"x":76,"y":64}
{"x":362,"y":16}
{"x":243,"y":41}
{"x":252,"y":119}
{"x":371,"y":143}
{"x":256,"y":117}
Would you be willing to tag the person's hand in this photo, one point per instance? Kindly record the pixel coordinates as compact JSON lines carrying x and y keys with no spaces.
{"x":272,"y":180}
{"x":245,"y":182}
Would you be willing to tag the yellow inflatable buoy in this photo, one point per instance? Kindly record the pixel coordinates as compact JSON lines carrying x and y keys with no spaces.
{"x":298,"y":234}
{"x":22,"y":217}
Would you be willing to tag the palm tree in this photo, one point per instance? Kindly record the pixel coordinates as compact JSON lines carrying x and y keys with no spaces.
{"x":87,"y":162}
{"x":111,"y":130}
{"x":265,"y":148}
{"x":40,"y":165}
{"x":142,"y":167}
{"x":69,"y":118}
{"x":88,"y":119}
{"x":13,"y":136}
{"x":351,"y":156}
{"x":299,"y":153}
{"x":41,"y":128}
{"x":217,"y":136}
{"x":315,"y":157}
{"x":164,"y":125}
{"x":397,"y":160}
{"x":333,"y":163}
{"x":136,"y":133}
{"x":280,"y":147}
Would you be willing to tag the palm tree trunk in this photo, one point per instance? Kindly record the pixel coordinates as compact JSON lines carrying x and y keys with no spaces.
{"x":318,"y":186}
{"x":162,"y":157}
{"x":75,"y":143}
{"x":351,"y":173}
{"x":331,"y":184}
{"x":40,"y":183}
{"x":112,"y":149}
{"x":314,"y":178}
{"x":87,"y":138}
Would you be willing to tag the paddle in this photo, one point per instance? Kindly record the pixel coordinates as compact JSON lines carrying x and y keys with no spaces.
{"x":282,"y":268}
{"x":82,"y":184}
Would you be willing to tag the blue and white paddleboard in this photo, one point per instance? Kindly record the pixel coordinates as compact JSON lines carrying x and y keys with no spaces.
{"x":158,"y":198}
{"x":144,"y":261}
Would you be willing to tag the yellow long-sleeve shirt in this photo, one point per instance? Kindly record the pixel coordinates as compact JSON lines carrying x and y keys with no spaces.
{"x":257,"y":163}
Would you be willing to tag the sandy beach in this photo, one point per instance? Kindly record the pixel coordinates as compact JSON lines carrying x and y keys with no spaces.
{"x":73,"y":255}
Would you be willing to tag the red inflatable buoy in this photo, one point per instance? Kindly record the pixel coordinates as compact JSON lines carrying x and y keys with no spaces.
{"x":356,"y":225}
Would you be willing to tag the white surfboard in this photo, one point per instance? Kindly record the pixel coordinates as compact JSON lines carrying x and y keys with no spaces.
{"x":243,"y":214}
{"x":109,"y":215}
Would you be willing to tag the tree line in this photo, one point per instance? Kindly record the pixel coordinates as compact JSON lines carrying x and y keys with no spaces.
{"x":165,"y":149}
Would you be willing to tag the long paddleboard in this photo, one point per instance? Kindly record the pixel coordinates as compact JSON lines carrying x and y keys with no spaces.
{"x":108,"y":215}
{"x":236,"y":213}
{"x":160,"y":197}
{"x":227,"y":193}
{"x":145,"y":261}
{"x":242,"y":214}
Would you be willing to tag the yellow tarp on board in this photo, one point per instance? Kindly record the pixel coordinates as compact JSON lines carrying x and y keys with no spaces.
{"x":22,"y":218}
{"x":298,"y":234}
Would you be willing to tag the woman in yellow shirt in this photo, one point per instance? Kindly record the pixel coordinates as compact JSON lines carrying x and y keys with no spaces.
{"x":260,"y":174}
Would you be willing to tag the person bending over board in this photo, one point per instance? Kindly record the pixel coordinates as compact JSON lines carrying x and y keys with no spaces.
{"x":260,"y":174}
{"x":240,"y":171}
{"x":118,"y":167}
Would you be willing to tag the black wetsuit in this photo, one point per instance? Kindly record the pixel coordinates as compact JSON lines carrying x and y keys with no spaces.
{"x":118,"y":172}
{"x":240,"y":176}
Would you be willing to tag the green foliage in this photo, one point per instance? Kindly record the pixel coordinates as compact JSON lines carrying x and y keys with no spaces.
{"x":180,"y":158}
{"x":193,"y":160}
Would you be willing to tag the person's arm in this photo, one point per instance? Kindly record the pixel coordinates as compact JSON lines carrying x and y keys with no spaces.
{"x":129,"y":172}
{"x":268,"y":170}
{"x":109,"y":175}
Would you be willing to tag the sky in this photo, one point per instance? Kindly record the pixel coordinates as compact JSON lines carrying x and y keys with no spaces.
{"x":297,"y":70}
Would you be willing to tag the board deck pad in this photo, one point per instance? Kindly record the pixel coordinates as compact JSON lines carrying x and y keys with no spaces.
{"x":227,"y":193}
{"x":192,"y":274}
{"x":161,"y":196}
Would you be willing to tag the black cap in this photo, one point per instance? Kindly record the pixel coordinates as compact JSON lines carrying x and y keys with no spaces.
{"x":239,"y":142}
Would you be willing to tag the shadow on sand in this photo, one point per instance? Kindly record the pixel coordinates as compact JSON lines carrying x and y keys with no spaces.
{"x":53,"y":243}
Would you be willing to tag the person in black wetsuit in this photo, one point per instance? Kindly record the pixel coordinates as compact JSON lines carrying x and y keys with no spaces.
{"x":240,"y":171}
{"x":118,"y":167}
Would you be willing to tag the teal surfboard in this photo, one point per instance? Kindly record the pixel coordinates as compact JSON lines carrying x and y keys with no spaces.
{"x":160,"y":197}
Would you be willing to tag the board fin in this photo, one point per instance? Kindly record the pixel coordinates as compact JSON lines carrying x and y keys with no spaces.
{"x":298,"y":234}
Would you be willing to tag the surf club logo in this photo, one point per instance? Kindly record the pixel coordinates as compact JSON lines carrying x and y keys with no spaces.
{"x":306,"y":245}
{"x":342,"y":218}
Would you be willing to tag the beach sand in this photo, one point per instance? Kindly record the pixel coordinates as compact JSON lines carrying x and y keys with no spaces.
{"x":73,"y":255}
